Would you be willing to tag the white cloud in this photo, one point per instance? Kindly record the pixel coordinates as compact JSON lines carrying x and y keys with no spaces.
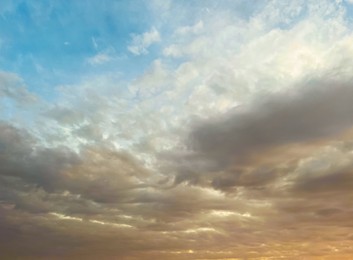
{"x":140,"y":43}
{"x":197,"y":28}
{"x":98,"y":59}
{"x":172,"y":51}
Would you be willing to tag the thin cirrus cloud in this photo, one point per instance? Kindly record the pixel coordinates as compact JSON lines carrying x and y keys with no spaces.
{"x":178,"y":131}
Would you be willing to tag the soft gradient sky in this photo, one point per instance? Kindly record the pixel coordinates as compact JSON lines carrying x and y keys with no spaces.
{"x":174,"y":130}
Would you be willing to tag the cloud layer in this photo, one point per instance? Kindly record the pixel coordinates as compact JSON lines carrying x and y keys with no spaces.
{"x":216,"y":131}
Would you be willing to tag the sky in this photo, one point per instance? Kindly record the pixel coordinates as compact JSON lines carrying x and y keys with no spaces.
{"x":175,"y":129}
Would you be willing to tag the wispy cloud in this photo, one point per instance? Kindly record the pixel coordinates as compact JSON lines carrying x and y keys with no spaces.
{"x":99,"y":58}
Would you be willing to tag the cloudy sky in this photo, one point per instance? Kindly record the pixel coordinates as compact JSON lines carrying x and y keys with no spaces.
{"x":176,"y":129}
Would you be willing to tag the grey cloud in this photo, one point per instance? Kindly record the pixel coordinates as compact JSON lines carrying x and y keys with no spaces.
{"x":316,"y":110}
{"x":98,"y":182}
{"x":106,"y":175}
{"x":20,"y":158}
{"x":251,"y":179}
{"x":40,"y":180}
{"x":326,"y":173}
{"x":337,"y":180}
{"x":11,"y":86}
{"x":104,"y":185}
{"x":164,"y":219}
{"x":97,"y":173}
{"x":319,"y":109}
{"x":90,"y":132}
{"x":65,"y":115}
{"x":236,"y":154}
